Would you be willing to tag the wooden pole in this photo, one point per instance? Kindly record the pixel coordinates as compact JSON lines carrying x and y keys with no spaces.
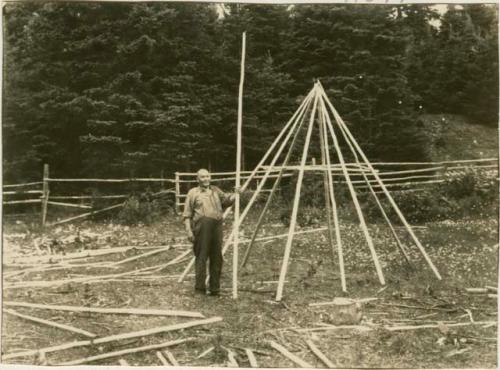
{"x":273,"y":191}
{"x":354,"y":197}
{"x":293,"y":121}
{"x":171,"y":358}
{"x":381,"y":184}
{"x":112,"y":338}
{"x":293,"y":218}
{"x":124,"y":352}
{"x":289,"y":355}
{"x":162,"y":359}
{"x":85,"y":215}
{"x":251,"y":358}
{"x":320,"y":354}
{"x":50,"y":323}
{"x":336,"y":223}
{"x":236,"y":224}
{"x":45,"y":189}
{"x":177,"y":193}
{"x":106,"y":310}
{"x":326,"y":180}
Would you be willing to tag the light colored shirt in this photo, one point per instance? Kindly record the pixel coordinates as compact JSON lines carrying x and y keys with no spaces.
{"x":205,"y":202}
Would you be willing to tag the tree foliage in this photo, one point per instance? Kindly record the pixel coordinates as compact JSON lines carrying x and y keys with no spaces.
{"x":131,"y":89}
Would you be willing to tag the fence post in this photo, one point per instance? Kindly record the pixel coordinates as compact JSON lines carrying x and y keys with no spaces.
{"x":177,"y":193}
{"x":45,"y":194}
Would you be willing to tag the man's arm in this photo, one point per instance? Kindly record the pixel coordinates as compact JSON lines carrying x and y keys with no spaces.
{"x":188,"y":215}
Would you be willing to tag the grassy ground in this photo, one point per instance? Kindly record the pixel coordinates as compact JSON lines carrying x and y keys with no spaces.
{"x":465,"y":253}
{"x":452,"y":137}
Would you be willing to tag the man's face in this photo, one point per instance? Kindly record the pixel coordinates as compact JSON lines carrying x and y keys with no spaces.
{"x":204,"y":178}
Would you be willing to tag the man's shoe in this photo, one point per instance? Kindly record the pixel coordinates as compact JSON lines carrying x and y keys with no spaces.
{"x":214,"y":293}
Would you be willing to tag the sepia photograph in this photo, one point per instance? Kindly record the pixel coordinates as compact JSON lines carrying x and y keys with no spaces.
{"x":255,"y":185}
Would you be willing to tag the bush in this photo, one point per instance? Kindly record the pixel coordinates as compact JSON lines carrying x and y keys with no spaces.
{"x":470,"y":194}
{"x":139,"y":209}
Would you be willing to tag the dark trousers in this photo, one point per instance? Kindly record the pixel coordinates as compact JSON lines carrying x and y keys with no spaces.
{"x":208,"y":246}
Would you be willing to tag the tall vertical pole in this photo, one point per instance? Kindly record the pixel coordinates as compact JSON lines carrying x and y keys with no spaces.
{"x":177,"y":193}
{"x":236,"y":225}
{"x":45,"y":194}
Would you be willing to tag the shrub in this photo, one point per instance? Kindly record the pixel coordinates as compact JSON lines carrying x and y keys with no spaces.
{"x":139,"y":209}
{"x":470,"y":194}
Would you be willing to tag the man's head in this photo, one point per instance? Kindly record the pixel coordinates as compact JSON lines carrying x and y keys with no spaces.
{"x":203,"y":177}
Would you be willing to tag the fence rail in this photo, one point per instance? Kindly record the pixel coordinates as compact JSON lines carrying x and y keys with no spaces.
{"x":410,"y":176}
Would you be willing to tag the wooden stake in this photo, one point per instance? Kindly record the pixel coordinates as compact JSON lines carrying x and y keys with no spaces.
{"x":162,"y":359}
{"x":45,"y":196}
{"x":51,"y":323}
{"x":251,"y":358}
{"x":124,"y":352}
{"x":290,"y":355}
{"x":107,"y":310}
{"x":320,"y":354}
{"x":293,"y":121}
{"x":354,"y":197}
{"x":171,"y":358}
{"x":275,"y":186}
{"x":293,"y":218}
{"x":112,"y":338}
{"x":381,"y":184}
{"x":333,"y":202}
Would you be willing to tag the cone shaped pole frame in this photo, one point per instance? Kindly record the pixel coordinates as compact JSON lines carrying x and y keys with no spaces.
{"x":322,"y":107}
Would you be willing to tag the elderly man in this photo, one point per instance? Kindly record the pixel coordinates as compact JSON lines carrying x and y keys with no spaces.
{"x":203,"y":220}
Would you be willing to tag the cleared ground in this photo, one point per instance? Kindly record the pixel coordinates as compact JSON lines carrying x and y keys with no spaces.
{"x":464,"y":252}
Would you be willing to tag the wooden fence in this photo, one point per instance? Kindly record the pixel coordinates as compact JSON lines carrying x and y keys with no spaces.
{"x":398,"y":176}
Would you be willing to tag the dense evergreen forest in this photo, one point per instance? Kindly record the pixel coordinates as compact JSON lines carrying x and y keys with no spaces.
{"x":130,"y":89}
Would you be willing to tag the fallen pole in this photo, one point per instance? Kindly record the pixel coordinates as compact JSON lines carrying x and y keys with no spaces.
{"x":162,"y":359}
{"x":251,"y":358}
{"x":85,"y":215}
{"x":112,"y":338}
{"x":51,"y":323}
{"x":320,"y":354}
{"x":124,"y":352}
{"x":171,"y":358}
{"x":147,"y":254}
{"x":289,"y":355}
{"x":116,"y":311}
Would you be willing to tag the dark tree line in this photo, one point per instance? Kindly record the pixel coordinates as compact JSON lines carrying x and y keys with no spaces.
{"x":130,"y":89}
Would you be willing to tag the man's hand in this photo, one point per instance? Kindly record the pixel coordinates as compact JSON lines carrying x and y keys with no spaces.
{"x":190,"y":236}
